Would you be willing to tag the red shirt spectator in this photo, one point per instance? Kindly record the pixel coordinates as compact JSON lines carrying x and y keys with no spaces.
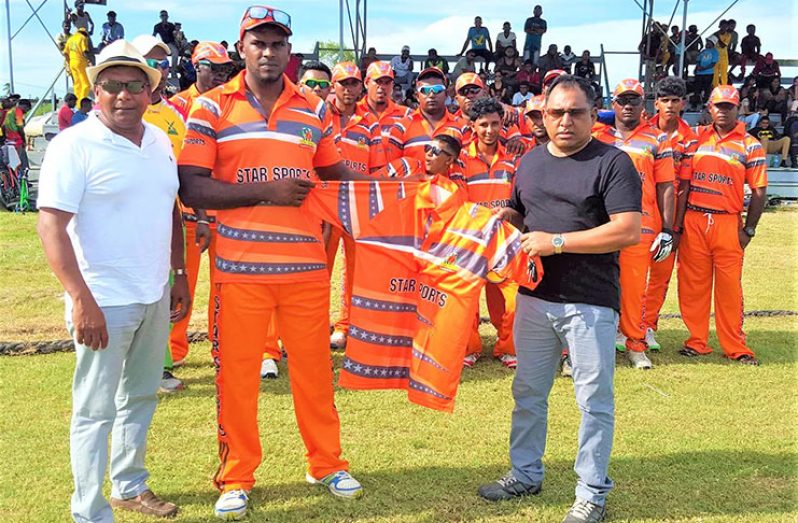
{"x":66,"y":111}
{"x":292,"y":69}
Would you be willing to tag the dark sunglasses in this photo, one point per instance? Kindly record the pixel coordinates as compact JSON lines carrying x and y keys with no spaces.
{"x":558,"y":114}
{"x":435,"y":150}
{"x":216,"y":68}
{"x":427,"y":90}
{"x":470,"y":91}
{"x":158,"y":64}
{"x":321,"y":84}
{"x":259,"y":12}
{"x":634,"y":101}
{"x":115,"y":87}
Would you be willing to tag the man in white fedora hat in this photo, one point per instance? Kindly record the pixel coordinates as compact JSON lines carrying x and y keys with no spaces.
{"x":110,"y":231}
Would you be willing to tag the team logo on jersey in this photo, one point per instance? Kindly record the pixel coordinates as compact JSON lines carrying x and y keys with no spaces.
{"x":450,"y":264}
{"x":361,"y":142}
{"x":171,"y":128}
{"x":306,"y":137}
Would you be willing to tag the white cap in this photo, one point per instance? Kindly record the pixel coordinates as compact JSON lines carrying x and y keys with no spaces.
{"x":146,"y":43}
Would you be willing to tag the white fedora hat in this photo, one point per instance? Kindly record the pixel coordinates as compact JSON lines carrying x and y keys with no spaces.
{"x":125,"y":54}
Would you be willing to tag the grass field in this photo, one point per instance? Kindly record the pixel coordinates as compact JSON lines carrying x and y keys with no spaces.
{"x":706,"y":441}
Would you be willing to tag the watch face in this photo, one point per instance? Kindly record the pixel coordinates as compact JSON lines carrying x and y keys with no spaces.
{"x":557,"y":241}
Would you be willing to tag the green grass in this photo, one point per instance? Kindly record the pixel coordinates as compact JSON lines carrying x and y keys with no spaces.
{"x":705,"y":441}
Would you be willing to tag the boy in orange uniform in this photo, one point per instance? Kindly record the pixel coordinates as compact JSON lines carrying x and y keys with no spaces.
{"x":714,"y":236}
{"x":650,"y":152}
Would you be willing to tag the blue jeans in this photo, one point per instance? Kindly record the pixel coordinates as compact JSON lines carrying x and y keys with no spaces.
{"x":114,"y":393}
{"x":541,"y":329}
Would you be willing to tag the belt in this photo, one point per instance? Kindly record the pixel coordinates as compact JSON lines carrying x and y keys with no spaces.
{"x":188,"y":217}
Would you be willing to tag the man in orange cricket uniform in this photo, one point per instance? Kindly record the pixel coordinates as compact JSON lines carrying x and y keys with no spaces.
{"x":713,"y":234}
{"x":410,"y":135}
{"x":671,"y":93}
{"x":651,"y":154}
{"x":213,"y":67}
{"x":533,"y":132}
{"x":251,"y":151}
{"x":359,"y":142}
{"x":489,"y":172}
{"x":379,"y":86}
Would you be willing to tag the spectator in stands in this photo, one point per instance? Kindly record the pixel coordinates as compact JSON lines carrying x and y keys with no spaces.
{"x":369,"y":58}
{"x":649,"y":50}
{"x":750,"y":49}
{"x":791,"y":131}
{"x":530,"y":74}
{"x":765,"y":70}
{"x":79,"y":57}
{"x":506,"y":38}
{"x":112,"y":30}
{"x":398,"y":94}
{"x":774,"y":98}
{"x":186,"y":70}
{"x":508,"y":65}
{"x":83,"y":112}
{"x":665,"y":51}
{"x":520,"y":98}
{"x":479,"y":39}
{"x":14,"y":129}
{"x":402,"y":66}
{"x":694,"y":45}
{"x":166,"y":30}
{"x":724,"y":37}
{"x":749,"y":97}
{"x":705,"y":70}
{"x":180,"y":38}
{"x":771,"y":142}
{"x":317,"y":77}
{"x":534,"y":27}
{"x":65,"y":113}
{"x":499,"y":89}
{"x":62,"y":38}
{"x":792,"y":96}
{"x":567,"y":59}
{"x":585,"y":68}
{"x":549,"y":61}
{"x":433,"y":60}
{"x":735,"y":37}
{"x":465,"y":65}
{"x":676,"y":47}
{"x":81,"y":18}
{"x":294,"y":64}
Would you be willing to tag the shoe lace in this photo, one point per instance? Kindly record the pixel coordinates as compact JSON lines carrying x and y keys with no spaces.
{"x":507,"y":480}
{"x":582,"y":508}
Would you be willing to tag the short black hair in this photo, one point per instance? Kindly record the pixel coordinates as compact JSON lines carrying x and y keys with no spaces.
{"x":749,"y":26}
{"x":484,"y":106}
{"x":24,"y":102}
{"x":572,"y":82}
{"x":69,"y":97}
{"x":315,"y":65}
{"x":764,"y":118}
{"x":86,"y":101}
{"x":453,"y":143}
{"x":111,"y":13}
{"x":671,"y":86}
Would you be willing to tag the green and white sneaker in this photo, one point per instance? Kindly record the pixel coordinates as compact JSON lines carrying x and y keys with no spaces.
{"x":340,"y":484}
{"x":651,"y":341}
{"x":620,"y":342}
{"x":231,"y":505}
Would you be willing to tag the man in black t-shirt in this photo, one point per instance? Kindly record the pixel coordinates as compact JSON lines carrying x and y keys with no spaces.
{"x":771,"y":141}
{"x":584,"y":68}
{"x":580,"y":201}
{"x":166,"y":30}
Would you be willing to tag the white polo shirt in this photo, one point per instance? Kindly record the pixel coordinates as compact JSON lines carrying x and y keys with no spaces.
{"x":122,"y":197}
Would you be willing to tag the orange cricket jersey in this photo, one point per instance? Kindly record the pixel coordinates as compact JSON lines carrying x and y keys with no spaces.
{"x":683,"y":142}
{"x":358,"y":139}
{"x":410,"y":320}
{"x":489,"y":182}
{"x":183,"y":100}
{"x":411,"y":134}
{"x":393,"y":113}
{"x":721,"y":166}
{"x":228,"y":134}
{"x":651,"y":154}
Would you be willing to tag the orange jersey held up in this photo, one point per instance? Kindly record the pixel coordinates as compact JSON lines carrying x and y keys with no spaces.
{"x":410,"y":321}
{"x":229,"y":135}
{"x":411,"y":134}
{"x":720,"y":168}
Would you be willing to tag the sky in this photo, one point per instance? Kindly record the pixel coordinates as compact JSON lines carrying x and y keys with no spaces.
{"x":583,"y":24}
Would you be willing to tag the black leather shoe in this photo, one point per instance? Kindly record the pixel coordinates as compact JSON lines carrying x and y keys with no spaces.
{"x":508,"y":487}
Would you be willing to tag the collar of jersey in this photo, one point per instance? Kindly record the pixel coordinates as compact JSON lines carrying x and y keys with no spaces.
{"x":738,"y":132}
{"x":238,"y":85}
{"x":471,"y":151}
{"x":683,"y":129}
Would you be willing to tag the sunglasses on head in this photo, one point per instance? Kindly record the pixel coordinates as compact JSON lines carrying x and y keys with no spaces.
{"x":158,"y":64}
{"x":427,"y":90}
{"x":470,"y":90}
{"x":259,"y":12}
{"x":321,"y":84}
{"x":435,"y":150}
{"x":634,"y":101}
{"x":115,"y":87}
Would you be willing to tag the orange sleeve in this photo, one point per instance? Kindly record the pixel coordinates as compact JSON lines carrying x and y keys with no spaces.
{"x":663,"y":160}
{"x":756,"y":174}
{"x":326,"y":151}
{"x":376,"y":149}
{"x":396,"y":141}
{"x":686,"y":163}
{"x":202,"y":126}
{"x":512,"y":132}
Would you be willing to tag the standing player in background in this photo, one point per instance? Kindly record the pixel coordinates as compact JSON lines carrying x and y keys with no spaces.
{"x":489,"y":172}
{"x":317,"y":78}
{"x":670,"y":100}
{"x":359,"y":143}
{"x":713,"y":234}
{"x":650,"y":152}
{"x":379,"y":86}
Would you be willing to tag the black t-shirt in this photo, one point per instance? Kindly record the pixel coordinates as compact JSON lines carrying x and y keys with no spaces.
{"x":166,"y":31}
{"x":750,"y":46}
{"x":576,"y":193}
{"x":760,"y":134}
{"x":585,"y":70}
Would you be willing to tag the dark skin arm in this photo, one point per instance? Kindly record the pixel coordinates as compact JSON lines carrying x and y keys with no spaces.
{"x":681,"y":206}
{"x":665,"y":203}
{"x":759,"y":199}
{"x":180,"y":298}
{"x":203,"y":234}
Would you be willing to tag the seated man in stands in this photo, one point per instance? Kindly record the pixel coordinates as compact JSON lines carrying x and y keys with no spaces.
{"x":772,"y":143}
{"x":765,"y":70}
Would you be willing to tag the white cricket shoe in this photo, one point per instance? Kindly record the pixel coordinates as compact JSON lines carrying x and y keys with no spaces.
{"x":651,"y":341}
{"x":268,"y":369}
{"x":639,"y":360}
{"x":231,"y":505}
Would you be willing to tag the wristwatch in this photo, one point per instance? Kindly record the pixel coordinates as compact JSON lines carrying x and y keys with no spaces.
{"x":750,"y":231}
{"x":179,"y":272}
{"x":558,"y":241}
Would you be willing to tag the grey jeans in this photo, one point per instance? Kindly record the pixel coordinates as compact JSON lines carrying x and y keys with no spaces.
{"x":114,"y":393}
{"x":541,"y":329}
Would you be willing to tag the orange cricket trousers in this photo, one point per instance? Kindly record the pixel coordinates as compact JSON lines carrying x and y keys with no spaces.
{"x":342,"y":323}
{"x":178,"y":339}
{"x":710,"y":248}
{"x":635,"y":262}
{"x":500,"y":298}
{"x":243,"y":313}
{"x":659,"y":278}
